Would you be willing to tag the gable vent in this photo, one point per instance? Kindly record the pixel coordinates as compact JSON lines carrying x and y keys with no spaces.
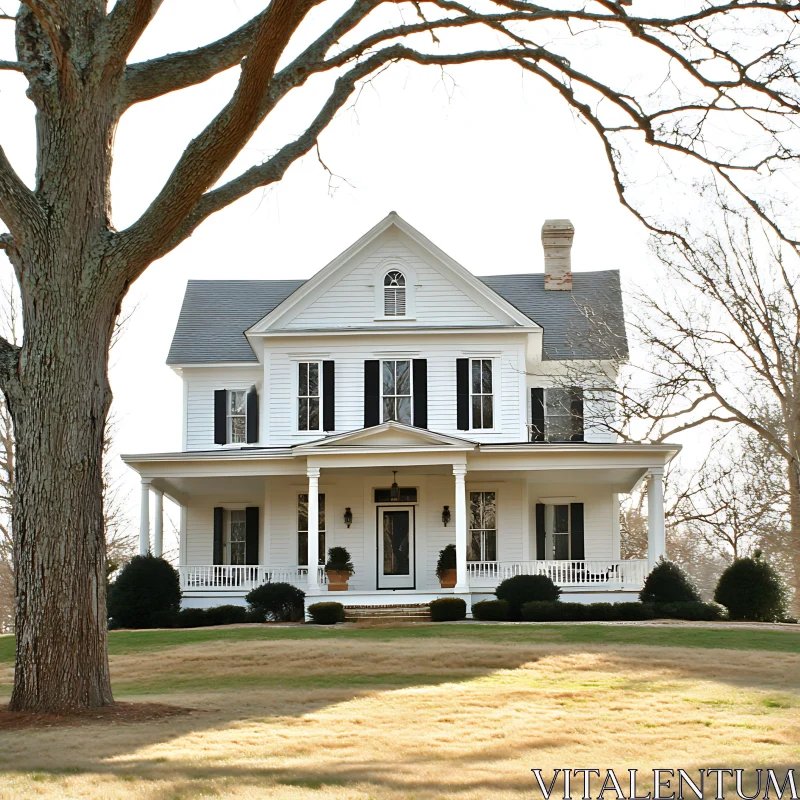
{"x":394,"y":294}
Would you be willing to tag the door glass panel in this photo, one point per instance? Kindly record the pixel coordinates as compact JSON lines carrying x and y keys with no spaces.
{"x":561,"y":546}
{"x":238,"y":537}
{"x":561,"y":519}
{"x":396,"y":531}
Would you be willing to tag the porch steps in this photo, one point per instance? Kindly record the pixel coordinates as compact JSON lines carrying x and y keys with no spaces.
{"x":419,"y":612}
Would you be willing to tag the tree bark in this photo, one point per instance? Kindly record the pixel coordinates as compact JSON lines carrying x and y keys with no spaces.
{"x":794,"y":533}
{"x":59,"y":411}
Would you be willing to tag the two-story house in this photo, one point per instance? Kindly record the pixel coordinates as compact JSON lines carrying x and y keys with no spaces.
{"x":394,"y":403}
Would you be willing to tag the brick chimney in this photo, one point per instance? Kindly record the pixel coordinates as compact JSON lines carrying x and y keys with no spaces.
{"x":557,"y":236}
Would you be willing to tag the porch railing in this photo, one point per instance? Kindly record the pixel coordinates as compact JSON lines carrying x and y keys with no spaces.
{"x":243,"y":577}
{"x":593,"y":573}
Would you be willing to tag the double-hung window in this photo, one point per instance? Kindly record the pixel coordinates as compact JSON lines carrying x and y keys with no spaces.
{"x":302,"y":529}
{"x":308,"y":396}
{"x":482,"y":544}
{"x":561,"y":532}
{"x":394,"y":294}
{"x":237,"y":536}
{"x":560,"y":422}
{"x":237,"y":416}
{"x":481,"y":393}
{"x":396,"y":391}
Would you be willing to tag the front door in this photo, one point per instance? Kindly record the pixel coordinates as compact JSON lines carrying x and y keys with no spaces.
{"x":396,"y":547}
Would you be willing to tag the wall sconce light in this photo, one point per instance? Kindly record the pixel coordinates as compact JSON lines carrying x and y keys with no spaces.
{"x":348,"y":517}
{"x":446,"y":515}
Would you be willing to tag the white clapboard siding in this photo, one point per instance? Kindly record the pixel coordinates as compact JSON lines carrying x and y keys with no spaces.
{"x":201,"y":382}
{"x":351,"y":302}
{"x":441,"y":352}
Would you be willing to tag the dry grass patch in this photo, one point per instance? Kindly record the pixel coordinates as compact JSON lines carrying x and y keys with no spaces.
{"x":421,"y":718}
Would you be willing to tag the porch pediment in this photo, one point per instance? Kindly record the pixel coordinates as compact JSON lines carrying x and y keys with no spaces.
{"x":388,"y":436}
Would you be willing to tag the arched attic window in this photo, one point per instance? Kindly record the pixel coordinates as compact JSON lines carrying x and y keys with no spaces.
{"x":394,"y":294}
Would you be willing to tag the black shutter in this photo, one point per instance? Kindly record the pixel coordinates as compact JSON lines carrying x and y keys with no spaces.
{"x":252,"y":416}
{"x":219,"y":514}
{"x":540,"y":533}
{"x":576,"y":411}
{"x":462,"y":394}
{"x":251,"y":535}
{"x":372,"y":393}
{"x":220,"y":416}
{"x":328,"y":396}
{"x":576,"y":531}
{"x":420,"y":386}
{"x":537,"y":415}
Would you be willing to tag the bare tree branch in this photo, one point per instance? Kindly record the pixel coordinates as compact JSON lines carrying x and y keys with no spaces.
{"x":19,"y":208}
{"x":127,"y":21}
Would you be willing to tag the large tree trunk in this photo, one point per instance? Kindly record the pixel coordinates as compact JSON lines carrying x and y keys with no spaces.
{"x":59,"y":396}
{"x":59,"y":412}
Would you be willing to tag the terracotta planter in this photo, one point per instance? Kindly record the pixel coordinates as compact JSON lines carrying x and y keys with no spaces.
{"x":337,"y":580}
{"x":448,"y":579}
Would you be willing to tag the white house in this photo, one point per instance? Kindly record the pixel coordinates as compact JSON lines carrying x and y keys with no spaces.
{"x":392,"y":404}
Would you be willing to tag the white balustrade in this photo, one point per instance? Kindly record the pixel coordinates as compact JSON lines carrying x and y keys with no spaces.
{"x":243,"y":577}
{"x":594,"y":573}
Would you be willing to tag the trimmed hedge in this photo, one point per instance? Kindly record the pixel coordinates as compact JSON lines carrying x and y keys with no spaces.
{"x":523,"y":589}
{"x":277,"y":602}
{"x":668,"y":583}
{"x":447,"y":609}
{"x":216,"y":615}
{"x":326,"y":613}
{"x":495,"y":610}
{"x":146,"y":594}
{"x":544,"y":611}
{"x":751,"y":589}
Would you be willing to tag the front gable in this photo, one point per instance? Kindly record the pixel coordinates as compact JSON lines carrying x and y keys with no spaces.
{"x":389,"y":435}
{"x":348,"y":293}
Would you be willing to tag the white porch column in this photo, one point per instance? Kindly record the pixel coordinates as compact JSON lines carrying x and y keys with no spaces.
{"x":656,"y":536}
{"x":158,"y":524}
{"x":462,"y":579}
{"x":313,"y":529}
{"x":144,"y":518}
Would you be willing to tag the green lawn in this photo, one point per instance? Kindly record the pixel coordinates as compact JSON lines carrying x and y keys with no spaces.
{"x":779,"y":640}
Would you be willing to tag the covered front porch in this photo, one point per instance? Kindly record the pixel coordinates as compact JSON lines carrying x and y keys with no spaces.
{"x":394,"y":497}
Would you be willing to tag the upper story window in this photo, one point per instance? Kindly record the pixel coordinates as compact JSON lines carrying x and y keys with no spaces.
{"x":557,"y":415}
{"x":308,"y":396}
{"x":394,"y":294}
{"x":481,"y":393}
{"x":396,"y":391}
{"x":237,"y":416}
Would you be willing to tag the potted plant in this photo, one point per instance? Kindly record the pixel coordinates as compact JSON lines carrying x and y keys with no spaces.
{"x":338,"y":568}
{"x":446,"y":567}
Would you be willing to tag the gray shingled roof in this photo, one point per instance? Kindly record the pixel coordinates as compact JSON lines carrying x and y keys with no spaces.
{"x":215,"y":315}
{"x":584,"y":323}
{"x":587,"y":322}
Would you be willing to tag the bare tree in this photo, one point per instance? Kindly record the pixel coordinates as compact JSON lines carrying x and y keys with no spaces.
{"x":74,"y":267}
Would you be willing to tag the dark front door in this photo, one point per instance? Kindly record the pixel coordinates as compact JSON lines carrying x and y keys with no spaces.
{"x":396,"y":547}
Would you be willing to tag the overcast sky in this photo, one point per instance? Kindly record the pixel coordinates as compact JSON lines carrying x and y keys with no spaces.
{"x":475,"y":159}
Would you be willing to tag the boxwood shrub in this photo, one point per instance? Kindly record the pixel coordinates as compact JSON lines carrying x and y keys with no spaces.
{"x":277,"y":602}
{"x":191,"y":618}
{"x":523,"y":589}
{"x":326,"y":613}
{"x":447,"y":609}
{"x":146,"y":594}
{"x":495,"y":610}
{"x":668,"y":583}
{"x":752,"y":590}
{"x":552,"y":611}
